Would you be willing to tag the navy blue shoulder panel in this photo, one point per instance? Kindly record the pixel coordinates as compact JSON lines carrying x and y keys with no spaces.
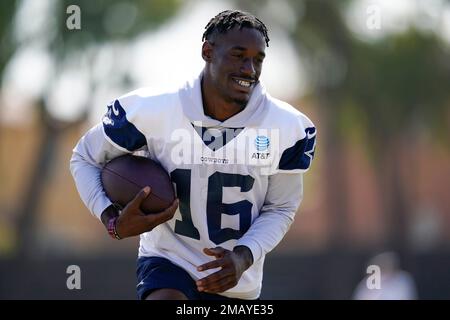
{"x":120,"y":130}
{"x":300,"y":155}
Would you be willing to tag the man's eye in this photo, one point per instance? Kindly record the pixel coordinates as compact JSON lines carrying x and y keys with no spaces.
{"x":237,"y":55}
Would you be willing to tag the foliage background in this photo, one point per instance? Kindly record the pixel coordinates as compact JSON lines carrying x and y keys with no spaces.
{"x":379,"y":97}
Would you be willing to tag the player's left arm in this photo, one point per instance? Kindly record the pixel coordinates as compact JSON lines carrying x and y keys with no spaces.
{"x":283,"y":198}
{"x":284,"y":195}
{"x":276,"y":216}
{"x":285,"y":191}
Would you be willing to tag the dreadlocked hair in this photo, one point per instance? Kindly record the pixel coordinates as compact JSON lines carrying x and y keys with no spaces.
{"x":228,"y":19}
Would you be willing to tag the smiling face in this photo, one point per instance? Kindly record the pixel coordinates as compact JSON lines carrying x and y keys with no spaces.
{"x":234,"y":62}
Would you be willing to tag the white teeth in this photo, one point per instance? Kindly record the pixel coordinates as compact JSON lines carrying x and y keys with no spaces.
{"x":244,"y":83}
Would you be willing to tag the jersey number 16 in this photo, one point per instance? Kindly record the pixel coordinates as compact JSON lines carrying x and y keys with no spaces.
{"x":214,"y":205}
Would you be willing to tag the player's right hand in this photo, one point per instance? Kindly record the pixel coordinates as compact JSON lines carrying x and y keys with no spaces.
{"x":133,"y":221}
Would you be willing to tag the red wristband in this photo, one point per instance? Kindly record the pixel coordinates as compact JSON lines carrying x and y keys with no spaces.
{"x":112,"y":228}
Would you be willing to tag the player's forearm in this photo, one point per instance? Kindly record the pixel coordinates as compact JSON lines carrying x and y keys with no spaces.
{"x":245,"y":254}
{"x":88,"y":183}
{"x":90,"y":153}
{"x":276,"y":216}
{"x":266,"y":232}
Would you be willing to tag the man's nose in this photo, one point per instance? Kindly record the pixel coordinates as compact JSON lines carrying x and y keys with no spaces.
{"x":248,"y":68}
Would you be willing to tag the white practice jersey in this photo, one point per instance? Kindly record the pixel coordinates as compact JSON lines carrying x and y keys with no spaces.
{"x":239,"y":181}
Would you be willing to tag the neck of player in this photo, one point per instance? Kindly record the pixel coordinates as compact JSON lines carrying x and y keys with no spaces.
{"x":214,"y":105}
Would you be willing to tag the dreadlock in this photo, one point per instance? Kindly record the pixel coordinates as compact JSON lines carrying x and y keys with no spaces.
{"x":228,"y":19}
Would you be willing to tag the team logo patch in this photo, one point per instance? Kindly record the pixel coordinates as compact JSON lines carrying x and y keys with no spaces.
{"x":262,"y":143}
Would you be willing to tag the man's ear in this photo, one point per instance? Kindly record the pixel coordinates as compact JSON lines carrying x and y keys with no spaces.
{"x":207,"y":51}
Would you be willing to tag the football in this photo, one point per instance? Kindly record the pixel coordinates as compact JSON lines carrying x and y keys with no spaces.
{"x":123,"y":177}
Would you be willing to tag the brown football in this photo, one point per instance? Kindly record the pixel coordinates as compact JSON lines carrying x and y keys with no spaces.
{"x":124,"y":176}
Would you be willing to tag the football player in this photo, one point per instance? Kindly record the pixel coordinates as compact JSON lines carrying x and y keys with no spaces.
{"x":236,"y":157}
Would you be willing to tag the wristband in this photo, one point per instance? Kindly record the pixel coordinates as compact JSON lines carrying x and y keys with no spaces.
{"x":112,"y":228}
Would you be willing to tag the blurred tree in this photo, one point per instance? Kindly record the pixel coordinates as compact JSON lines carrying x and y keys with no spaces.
{"x":400,"y":84}
{"x":6,"y":42}
{"x":7,"y":48}
{"x":381,"y":91}
{"x":107,"y":21}
{"x":101,"y":22}
{"x":324,"y":41}
{"x":324,"y":45}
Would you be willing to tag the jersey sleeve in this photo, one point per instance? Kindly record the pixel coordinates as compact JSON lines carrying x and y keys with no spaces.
{"x":116,"y":135}
{"x":284,"y":195}
{"x":298,"y":147}
{"x":88,"y":157}
{"x":297,"y":144}
{"x":119,"y":125}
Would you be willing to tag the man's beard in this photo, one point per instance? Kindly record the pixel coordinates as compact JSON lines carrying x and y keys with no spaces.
{"x":242,"y":103}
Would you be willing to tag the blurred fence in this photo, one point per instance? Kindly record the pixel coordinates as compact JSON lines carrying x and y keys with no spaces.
{"x":332,"y":275}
